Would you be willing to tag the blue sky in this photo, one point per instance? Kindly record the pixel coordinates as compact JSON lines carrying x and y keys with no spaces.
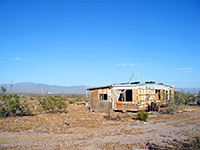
{"x":98,"y":42}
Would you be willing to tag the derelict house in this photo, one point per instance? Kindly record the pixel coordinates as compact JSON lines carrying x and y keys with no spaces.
{"x":135,"y":96}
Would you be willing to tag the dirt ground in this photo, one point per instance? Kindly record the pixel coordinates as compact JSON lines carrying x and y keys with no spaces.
{"x":82,"y":129}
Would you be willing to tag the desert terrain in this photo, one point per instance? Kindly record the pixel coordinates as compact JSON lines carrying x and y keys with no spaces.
{"x":79,"y":128}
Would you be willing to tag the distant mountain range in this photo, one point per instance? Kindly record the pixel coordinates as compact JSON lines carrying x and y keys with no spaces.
{"x":188,"y":90}
{"x":38,"y":88}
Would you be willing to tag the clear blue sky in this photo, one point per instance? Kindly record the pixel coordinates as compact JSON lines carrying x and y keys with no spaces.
{"x":68,"y":42}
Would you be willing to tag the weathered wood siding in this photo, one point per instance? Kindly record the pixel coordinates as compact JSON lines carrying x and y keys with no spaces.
{"x":94,"y":102}
{"x":98,"y":104}
{"x":141,"y":99}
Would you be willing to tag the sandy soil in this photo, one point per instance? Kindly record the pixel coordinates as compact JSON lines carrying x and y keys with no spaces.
{"x":82,"y":129}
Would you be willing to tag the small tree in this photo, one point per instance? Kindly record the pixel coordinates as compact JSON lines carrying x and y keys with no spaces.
{"x":52,"y":104}
{"x":198,"y":97}
{"x":182,"y":98}
{"x":10,"y":105}
{"x":196,"y":144}
{"x":143,"y":115}
{"x":172,"y":105}
{"x":3,"y":90}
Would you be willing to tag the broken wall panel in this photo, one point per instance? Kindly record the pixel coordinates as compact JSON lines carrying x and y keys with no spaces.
{"x":130,"y":97}
{"x":125,"y":106}
{"x":99,"y":99}
{"x":94,"y":99}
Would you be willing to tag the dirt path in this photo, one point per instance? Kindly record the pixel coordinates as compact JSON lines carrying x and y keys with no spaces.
{"x":81,"y":129}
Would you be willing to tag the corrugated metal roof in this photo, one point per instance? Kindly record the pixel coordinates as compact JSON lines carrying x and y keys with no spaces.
{"x":100,"y":87}
{"x":135,"y":85}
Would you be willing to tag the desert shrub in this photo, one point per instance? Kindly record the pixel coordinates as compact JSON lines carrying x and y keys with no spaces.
{"x":182,"y":98}
{"x":142,"y":115}
{"x":173,"y":106}
{"x":72,"y":101}
{"x":57,"y":96}
{"x":52,"y":104}
{"x":10,"y":105}
{"x":39,"y":97}
{"x":196,"y":144}
{"x":74,"y":96}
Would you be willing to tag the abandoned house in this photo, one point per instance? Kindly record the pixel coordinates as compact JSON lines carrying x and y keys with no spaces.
{"x":133,"y":96}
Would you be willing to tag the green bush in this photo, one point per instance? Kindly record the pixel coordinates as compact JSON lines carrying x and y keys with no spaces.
{"x":72,"y":101}
{"x":196,"y":144}
{"x":52,"y":104}
{"x":10,"y":105}
{"x":142,"y":115}
{"x":172,"y":105}
{"x":180,"y":98}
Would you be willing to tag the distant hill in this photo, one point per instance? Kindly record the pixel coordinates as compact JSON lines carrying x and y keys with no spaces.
{"x":36,"y":88}
{"x":188,"y":90}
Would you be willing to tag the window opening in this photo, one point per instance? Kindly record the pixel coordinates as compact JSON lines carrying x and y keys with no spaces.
{"x":103,"y":96}
{"x":121,"y":96}
{"x":166,"y":95}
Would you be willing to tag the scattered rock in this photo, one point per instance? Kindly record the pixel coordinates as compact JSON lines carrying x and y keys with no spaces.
{"x":175,"y":140}
{"x":67,"y":124}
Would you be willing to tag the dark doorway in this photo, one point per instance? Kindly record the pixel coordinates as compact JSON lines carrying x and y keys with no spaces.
{"x":158,"y":93}
{"x":121,"y":97}
{"x":129,"y":95}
